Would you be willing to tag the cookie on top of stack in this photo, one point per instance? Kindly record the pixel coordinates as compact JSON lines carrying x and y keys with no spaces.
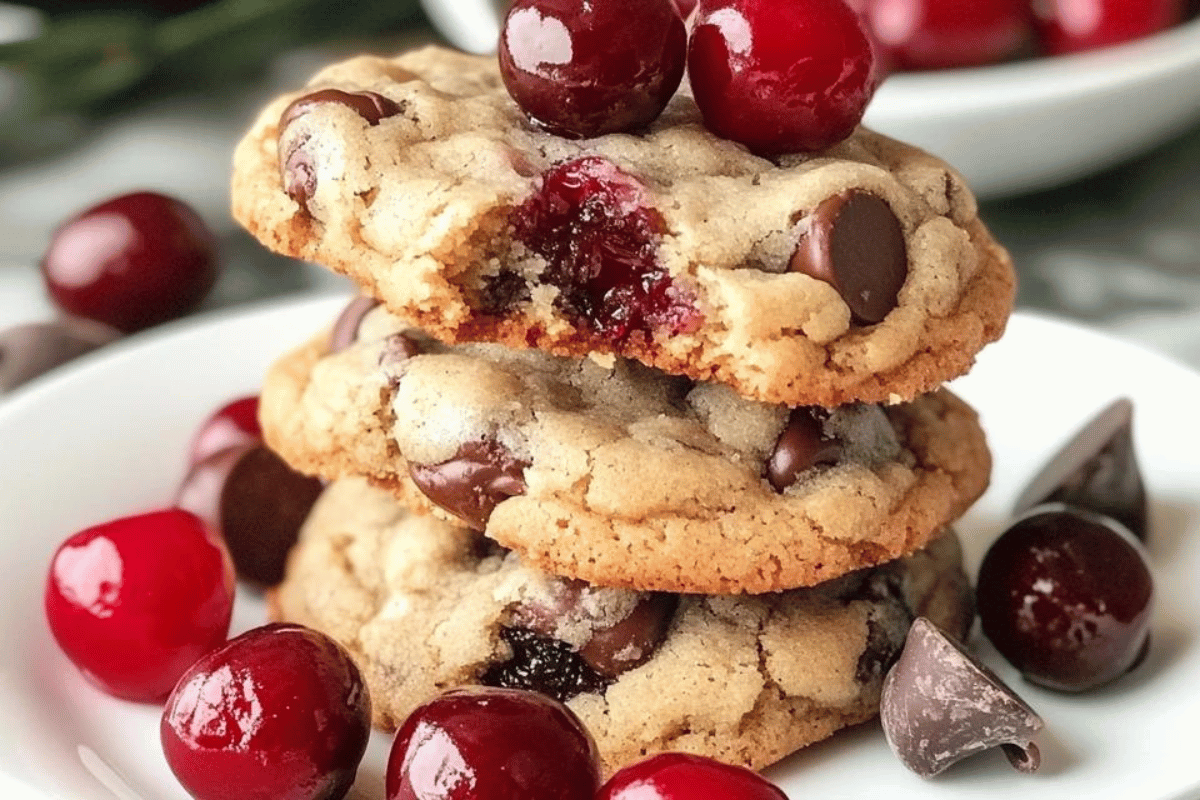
{"x":642,"y":421}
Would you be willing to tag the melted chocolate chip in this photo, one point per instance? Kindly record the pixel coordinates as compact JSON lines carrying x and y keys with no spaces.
{"x":471,"y":484}
{"x":345,"y":329}
{"x":886,"y":626}
{"x":1096,"y":470}
{"x":296,"y":167}
{"x":371,"y":106}
{"x":256,"y":502}
{"x":542,"y":664}
{"x":854,"y":242}
{"x":27,"y":351}
{"x":802,"y":445}
{"x":612,"y":649}
{"x":941,"y":705}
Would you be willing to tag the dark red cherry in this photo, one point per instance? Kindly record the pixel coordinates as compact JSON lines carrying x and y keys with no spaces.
{"x":1066,"y":596}
{"x":1070,"y":26}
{"x":132,"y":261}
{"x":278,"y":713}
{"x":940,"y":34}
{"x":582,"y":68}
{"x":780,"y":77}
{"x":492,"y":744}
{"x":255,"y":501}
{"x":679,"y":776}
{"x":134,"y":602}
{"x":593,"y":225}
{"x":232,"y":425}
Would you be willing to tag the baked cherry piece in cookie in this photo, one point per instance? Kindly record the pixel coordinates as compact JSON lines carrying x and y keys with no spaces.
{"x":131,"y":262}
{"x":134,"y":602}
{"x":280,"y":713}
{"x":780,"y":77}
{"x":581,"y":68}
{"x":492,"y":744}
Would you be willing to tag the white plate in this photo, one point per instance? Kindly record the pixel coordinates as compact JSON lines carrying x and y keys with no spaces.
{"x":1009,"y":128}
{"x":107,"y":438}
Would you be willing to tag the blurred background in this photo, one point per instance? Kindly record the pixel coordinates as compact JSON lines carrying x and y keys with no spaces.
{"x":1102,"y":212}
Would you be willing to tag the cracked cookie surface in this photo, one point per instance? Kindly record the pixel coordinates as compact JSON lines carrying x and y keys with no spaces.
{"x":419,"y":178}
{"x":422,"y":608}
{"x":619,"y":474}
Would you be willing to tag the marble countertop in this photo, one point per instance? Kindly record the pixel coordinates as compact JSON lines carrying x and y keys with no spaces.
{"x":1119,"y":250}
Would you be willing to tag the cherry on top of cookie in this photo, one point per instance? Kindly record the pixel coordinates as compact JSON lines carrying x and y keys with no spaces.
{"x":776,"y":77}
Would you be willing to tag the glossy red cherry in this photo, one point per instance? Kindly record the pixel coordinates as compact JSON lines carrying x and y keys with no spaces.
{"x":582,"y":68}
{"x":278,"y":713}
{"x":940,"y":34}
{"x":1071,"y":26}
{"x":134,"y":602}
{"x":1066,"y":596}
{"x":780,"y":77}
{"x":232,"y":425}
{"x":132,"y":261}
{"x":678,"y":776}
{"x":492,"y":744}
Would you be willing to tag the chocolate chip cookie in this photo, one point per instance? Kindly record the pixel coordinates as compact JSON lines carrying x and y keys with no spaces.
{"x":424,"y":605}
{"x":857,"y":273}
{"x":615,"y":473}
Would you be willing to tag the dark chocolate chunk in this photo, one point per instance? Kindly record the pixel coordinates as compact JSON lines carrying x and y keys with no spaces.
{"x":1096,"y":470}
{"x":296,"y":166}
{"x":345,"y":329}
{"x":27,"y":351}
{"x":256,"y":502}
{"x":371,"y":106}
{"x":470,"y":485}
{"x":940,"y":705}
{"x":802,"y":445}
{"x":886,"y":626}
{"x":854,"y":242}
{"x":612,"y":649}
{"x":542,"y":664}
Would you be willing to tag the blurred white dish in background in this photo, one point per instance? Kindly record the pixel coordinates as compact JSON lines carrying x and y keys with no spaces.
{"x":1010,"y":128}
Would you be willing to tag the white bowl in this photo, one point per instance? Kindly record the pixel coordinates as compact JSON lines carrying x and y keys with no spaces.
{"x":1010,"y":128}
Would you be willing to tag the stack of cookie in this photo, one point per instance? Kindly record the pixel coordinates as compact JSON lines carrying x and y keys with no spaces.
{"x":644,"y":422}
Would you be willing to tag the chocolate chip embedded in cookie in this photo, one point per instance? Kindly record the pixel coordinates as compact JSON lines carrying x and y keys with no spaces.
{"x":857,"y":273}
{"x":622,"y":475}
{"x":422,"y":609}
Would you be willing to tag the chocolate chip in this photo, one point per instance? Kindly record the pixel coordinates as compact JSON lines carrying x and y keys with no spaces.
{"x":543,"y":664}
{"x":886,"y":626}
{"x":854,"y":242}
{"x":298,"y":172}
{"x":371,"y":106}
{"x":1097,"y":471}
{"x":296,"y":166}
{"x":611,"y":649}
{"x":471,"y":484}
{"x":256,"y":502}
{"x":27,"y":351}
{"x":802,"y":445}
{"x":941,"y":705}
{"x":345,"y":329}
